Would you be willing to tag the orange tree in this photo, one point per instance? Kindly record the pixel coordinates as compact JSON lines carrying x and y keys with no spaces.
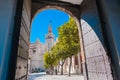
{"x":69,"y":40}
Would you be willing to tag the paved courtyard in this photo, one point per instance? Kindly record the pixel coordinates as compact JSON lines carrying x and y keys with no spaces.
{"x":54,"y":77}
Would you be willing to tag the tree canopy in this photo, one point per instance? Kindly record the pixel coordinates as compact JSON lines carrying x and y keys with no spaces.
{"x":68,"y":45}
{"x":50,"y":60}
{"x":69,"y":38}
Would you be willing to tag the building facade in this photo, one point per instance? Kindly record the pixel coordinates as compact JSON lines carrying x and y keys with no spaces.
{"x":37,"y":50}
{"x":76,"y":66}
{"x":36,"y":53}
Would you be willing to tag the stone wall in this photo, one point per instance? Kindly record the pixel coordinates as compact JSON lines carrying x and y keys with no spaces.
{"x":36,"y":52}
{"x":97,"y":60}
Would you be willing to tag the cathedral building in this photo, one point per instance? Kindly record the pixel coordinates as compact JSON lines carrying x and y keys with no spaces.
{"x":37,"y":50}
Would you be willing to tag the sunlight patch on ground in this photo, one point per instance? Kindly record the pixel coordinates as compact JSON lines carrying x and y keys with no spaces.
{"x":60,"y":77}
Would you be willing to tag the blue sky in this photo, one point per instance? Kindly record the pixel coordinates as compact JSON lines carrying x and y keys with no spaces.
{"x":40,"y":23}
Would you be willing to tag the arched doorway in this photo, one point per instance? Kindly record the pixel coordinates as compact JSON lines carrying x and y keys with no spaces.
{"x":78,"y":65}
{"x":18,"y":22}
{"x":88,"y":67}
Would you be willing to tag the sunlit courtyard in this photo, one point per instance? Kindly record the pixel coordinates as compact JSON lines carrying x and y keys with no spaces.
{"x":43,"y":76}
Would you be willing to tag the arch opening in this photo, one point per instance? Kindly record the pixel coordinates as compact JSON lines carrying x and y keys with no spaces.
{"x":78,"y":25}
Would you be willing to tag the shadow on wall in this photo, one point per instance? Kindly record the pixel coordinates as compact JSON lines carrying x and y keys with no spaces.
{"x":98,"y":65}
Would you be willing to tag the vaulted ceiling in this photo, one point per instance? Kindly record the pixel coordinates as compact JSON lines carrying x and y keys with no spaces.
{"x":71,"y":5}
{"x":78,"y":2}
{"x":74,"y":2}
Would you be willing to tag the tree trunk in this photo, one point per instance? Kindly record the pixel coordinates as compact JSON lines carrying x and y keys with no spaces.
{"x":61,"y":69}
{"x":55,"y":70}
{"x":63,"y":61}
{"x":51,"y":71}
{"x":58,"y":68}
{"x":70,"y":66}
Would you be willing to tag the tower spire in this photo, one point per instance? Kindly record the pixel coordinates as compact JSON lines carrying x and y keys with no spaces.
{"x":50,"y":27}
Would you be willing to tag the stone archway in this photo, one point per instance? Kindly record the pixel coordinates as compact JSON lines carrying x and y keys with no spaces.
{"x":88,"y":11}
{"x":71,"y":13}
{"x":102,"y":73}
{"x":87,"y":68}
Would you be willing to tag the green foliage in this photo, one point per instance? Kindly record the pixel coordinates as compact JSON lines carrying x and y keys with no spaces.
{"x":67,"y":46}
{"x":50,"y":60}
{"x":59,"y":51}
{"x":69,"y":38}
{"x":46,"y":60}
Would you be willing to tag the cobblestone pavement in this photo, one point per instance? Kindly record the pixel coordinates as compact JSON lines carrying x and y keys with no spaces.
{"x":60,"y":77}
{"x":33,"y":76}
{"x":54,"y":77}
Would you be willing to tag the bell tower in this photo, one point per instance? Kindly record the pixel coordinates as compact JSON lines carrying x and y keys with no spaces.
{"x":49,"y":38}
